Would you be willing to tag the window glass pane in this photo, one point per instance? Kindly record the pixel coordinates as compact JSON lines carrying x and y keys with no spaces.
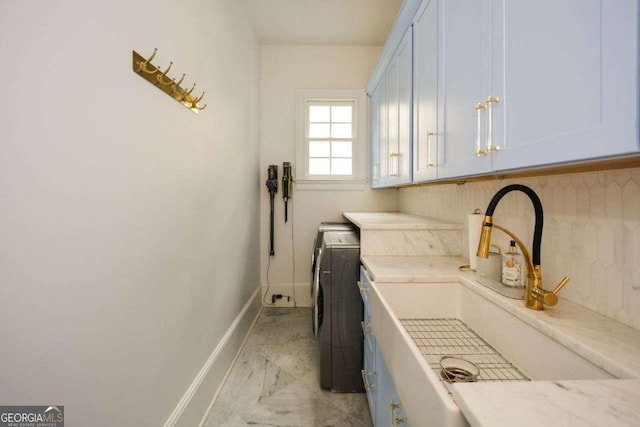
{"x":319,"y":167}
{"x":341,"y":114}
{"x":341,"y":130}
{"x":319,"y":149}
{"x":341,"y":167}
{"x":341,"y":149}
{"x":319,"y":113}
{"x":317,"y":130}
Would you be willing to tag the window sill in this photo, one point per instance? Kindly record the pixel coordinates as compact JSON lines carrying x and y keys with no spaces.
{"x":324,"y":185}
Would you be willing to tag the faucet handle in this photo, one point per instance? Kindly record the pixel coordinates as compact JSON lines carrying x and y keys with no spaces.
{"x":561,"y":285}
{"x":546,"y":297}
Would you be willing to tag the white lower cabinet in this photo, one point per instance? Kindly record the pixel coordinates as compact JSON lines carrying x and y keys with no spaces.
{"x":384,"y":402}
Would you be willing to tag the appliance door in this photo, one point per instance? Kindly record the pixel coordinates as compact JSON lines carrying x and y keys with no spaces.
{"x":312,"y":274}
{"x":317,"y":297}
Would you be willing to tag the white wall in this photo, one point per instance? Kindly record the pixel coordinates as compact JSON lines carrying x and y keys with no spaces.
{"x":123,"y":215}
{"x":283,"y":70}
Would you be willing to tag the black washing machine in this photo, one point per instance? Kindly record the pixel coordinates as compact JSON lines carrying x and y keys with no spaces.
{"x":317,"y":243}
{"x":338,"y":311}
{"x":315,"y":254}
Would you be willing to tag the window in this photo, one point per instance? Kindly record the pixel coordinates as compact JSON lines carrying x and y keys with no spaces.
{"x":331,"y":138}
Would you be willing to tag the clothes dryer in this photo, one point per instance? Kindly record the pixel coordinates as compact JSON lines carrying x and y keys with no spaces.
{"x":338,"y":312}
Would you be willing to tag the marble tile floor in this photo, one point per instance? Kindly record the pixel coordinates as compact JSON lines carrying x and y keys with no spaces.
{"x":274,"y":381}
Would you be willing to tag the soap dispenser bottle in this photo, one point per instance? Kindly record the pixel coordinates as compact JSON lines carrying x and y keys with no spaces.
{"x":513,"y":271}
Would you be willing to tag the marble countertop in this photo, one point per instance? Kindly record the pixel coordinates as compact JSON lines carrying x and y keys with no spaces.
{"x":398,"y":221}
{"x":583,"y":403}
{"x":606,"y":343}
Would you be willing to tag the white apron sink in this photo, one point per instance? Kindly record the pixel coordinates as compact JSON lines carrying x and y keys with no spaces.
{"x":425,"y":397}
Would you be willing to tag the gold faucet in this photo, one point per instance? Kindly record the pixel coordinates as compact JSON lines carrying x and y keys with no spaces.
{"x":535,"y":295}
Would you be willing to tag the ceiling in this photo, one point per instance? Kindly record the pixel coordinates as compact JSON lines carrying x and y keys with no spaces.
{"x":323,"y":22}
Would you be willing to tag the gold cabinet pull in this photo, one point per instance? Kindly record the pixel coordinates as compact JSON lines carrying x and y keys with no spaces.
{"x":396,"y":421}
{"x":479,"y":151}
{"x":489,"y":101}
{"x":430,"y":163}
{"x":362,"y":286}
{"x":397,"y":157}
{"x":367,"y":384}
{"x":365,"y":329}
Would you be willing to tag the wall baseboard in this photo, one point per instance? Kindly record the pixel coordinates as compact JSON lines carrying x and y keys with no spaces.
{"x":195,"y":404}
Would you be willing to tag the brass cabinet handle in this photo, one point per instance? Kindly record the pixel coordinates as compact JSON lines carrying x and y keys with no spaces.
{"x":479,"y":151}
{"x":362,"y":286}
{"x":487,"y":107}
{"x":367,"y":384}
{"x":396,"y":421}
{"x":489,"y":101}
{"x":397,"y":157}
{"x":430,"y":163}
{"x":365,"y":329}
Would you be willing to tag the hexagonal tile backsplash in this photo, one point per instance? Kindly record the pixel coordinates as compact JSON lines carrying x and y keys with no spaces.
{"x":591,"y":231}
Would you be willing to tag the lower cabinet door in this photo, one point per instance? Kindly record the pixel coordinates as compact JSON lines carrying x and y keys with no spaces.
{"x":389,"y":410}
{"x":369,"y":376}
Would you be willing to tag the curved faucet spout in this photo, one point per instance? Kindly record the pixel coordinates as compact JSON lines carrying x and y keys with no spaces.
{"x":537,"y":206}
{"x":535,"y":295}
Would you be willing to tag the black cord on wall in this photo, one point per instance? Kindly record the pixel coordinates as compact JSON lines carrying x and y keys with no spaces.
{"x":293,"y":269}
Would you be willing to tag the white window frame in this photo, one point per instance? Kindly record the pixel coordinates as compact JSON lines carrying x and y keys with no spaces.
{"x":358,"y":179}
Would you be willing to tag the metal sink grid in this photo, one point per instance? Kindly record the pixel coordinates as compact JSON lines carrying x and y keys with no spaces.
{"x":437,"y":338}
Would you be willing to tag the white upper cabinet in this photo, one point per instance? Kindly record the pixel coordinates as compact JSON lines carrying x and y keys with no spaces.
{"x":378,"y":123}
{"x":566,"y":75}
{"x":426,"y":109}
{"x":465,"y":72}
{"x":391,"y":119}
{"x":502,"y":85}
{"x":538,"y":83}
{"x":399,"y":95}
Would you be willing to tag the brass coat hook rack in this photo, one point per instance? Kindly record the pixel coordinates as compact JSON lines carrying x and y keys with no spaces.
{"x":154,"y":75}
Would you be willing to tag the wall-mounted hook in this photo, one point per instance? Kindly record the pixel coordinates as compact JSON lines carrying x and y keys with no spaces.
{"x":185,"y":95}
{"x":194,"y":103}
{"x":142,"y":66}
{"x":160,"y":77}
{"x":177,"y":84}
{"x":152,"y":73}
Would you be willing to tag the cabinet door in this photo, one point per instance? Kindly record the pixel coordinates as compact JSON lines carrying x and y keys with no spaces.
{"x":566,"y":73}
{"x":389,"y":410}
{"x":376,"y":134}
{"x":465,"y":72}
{"x":399,"y":87}
{"x":369,"y":375}
{"x":426,"y":60}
